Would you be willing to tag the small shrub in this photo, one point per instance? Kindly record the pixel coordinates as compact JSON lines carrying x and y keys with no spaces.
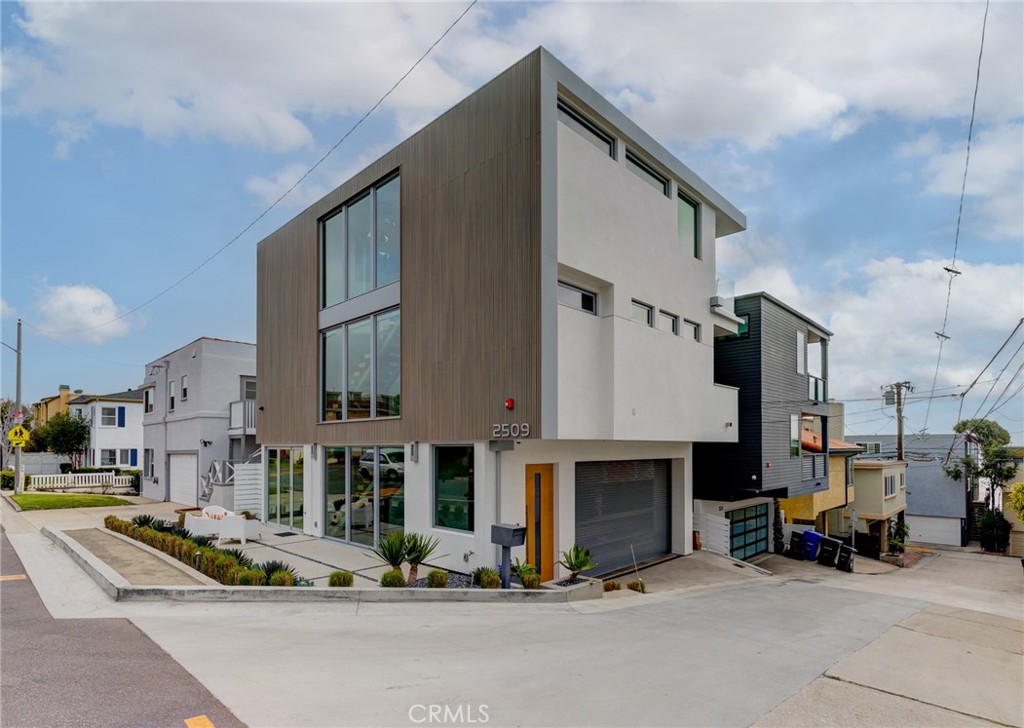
{"x":251,"y":577}
{"x":281,"y":577}
{"x":637,"y":585}
{"x":612,"y":585}
{"x":340,"y":578}
{"x":475,"y":576}
{"x":392,"y":549}
{"x":489,"y":579}
{"x":244,"y":560}
{"x":223,"y":565}
{"x":181,"y":520}
{"x":576,"y":559}
{"x":146,"y":520}
{"x":521,"y":569}
{"x":188,"y":552}
{"x":437,"y":579}
{"x":392,"y":578}
{"x":531,"y":581}
{"x":7,"y":480}
{"x":270,"y":567}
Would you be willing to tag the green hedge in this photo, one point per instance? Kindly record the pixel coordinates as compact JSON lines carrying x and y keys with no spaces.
{"x":7,"y":479}
{"x":213,"y":562}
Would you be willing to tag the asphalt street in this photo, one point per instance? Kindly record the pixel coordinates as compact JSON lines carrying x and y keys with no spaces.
{"x":88,"y":672}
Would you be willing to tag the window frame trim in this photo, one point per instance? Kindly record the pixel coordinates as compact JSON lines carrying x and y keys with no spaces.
{"x":578,"y":289}
{"x":654,"y":174}
{"x":590,"y":126}
{"x":433,"y":490}
{"x":650,"y":312}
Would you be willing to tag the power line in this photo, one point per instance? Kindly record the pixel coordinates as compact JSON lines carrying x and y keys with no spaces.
{"x":951,"y":269}
{"x":287,"y":192}
{"x":82,"y":353}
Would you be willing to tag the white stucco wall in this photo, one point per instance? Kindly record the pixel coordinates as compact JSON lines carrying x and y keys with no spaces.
{"x":619,"y":379}
{"x":107,"y":437}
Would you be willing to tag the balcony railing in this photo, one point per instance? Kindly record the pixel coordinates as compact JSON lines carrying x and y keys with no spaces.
{"x":243,"y":417}
{"x":816,"y":390}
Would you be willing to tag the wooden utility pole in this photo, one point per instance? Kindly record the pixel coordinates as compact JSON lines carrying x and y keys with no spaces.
{"x":898,"y":387}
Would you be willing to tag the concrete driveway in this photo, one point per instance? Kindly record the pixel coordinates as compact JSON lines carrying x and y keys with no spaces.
{"x":934,"y":645}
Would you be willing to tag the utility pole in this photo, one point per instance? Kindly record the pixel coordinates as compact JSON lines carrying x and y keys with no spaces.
{"x":897,"y":390}
{"x":19,"y":477}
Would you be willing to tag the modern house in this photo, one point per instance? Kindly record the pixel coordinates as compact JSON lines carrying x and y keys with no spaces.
{"x":200,"y":418}
{"x":115,"y":428}
{"x":507,"y":318}
{"x":938,"y":507}
{"x":47,"y":407}
{"x":778,"y":359}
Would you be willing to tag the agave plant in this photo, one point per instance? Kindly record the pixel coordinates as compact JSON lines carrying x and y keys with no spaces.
{"x":145,"y":520}
{"x":244,"y":560}
{"x":576,"y":559}
{"x":269,"y":568}
{"x":392,"y":549}
{"x":418,"y":548}
{"x":521,"y":569}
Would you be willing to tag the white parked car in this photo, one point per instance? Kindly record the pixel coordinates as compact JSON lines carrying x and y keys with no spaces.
{"x":392,"y":464}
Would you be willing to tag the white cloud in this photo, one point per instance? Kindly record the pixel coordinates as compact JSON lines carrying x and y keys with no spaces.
{"x":7,"y":309}
{"x":80,"y":312}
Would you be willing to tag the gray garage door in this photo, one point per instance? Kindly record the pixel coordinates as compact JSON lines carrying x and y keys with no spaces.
{"x":620,"y":503}
{"x":185,"y":479}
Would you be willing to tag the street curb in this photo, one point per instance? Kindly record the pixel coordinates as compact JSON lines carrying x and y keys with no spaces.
{"x":13,"y":503}
{"x":118,"y":588}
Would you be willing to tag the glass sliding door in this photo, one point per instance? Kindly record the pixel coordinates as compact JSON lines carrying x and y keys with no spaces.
{"x":364,"y":492}
{"x":284,"y":486}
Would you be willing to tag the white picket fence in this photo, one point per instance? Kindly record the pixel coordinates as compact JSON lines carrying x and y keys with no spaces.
{"x":82,"y":482}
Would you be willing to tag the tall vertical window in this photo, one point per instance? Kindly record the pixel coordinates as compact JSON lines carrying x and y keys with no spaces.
{"x":361,"y":365}
{"x":454,"y":489}
{"x":801,"y":352}
{"x":689,"y":225}
{"x":147,"y":463}
{"x":147,"y":400}
{"x":184,"y":387}
{"x":171,"y":393}
{"x":794,"y":436}
{"x":361,"y":244}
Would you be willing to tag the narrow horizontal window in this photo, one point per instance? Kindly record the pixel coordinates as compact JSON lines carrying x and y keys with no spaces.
{"x":577,"y":298}
{"x":586,"y":129}
{"x":647,"y":173}
{"x":691,"y":330}
{"x":642,"y":313}
{"x":668,"y":322}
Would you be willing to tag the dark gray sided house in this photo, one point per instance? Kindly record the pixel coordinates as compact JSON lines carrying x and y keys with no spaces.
{"x":779,"y":362}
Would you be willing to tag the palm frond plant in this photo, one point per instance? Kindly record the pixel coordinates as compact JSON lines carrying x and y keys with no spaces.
{"x":269,"y":568}
{"x":244,"y":560}
{"x":392,"y":549}
{"x":577,"y":559}
{"x":146,"y":520}
{"x":418,"y":548}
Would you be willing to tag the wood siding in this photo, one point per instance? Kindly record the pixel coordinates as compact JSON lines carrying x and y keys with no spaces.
{"x":470,"y":281}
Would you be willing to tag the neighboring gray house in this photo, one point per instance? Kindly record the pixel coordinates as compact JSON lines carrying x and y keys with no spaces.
{"x":779,"y":361}
{"x":937,"y":506}
{"x":199,"y":419}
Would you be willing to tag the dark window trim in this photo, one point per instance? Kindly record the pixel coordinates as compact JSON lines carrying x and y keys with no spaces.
{"x":583,"y":291}
{"x":698,"y":251}
{"x":583,"y":124}
{"x":647,"y":306}
{"x":655,"y":175}
{"x":342,"y":328}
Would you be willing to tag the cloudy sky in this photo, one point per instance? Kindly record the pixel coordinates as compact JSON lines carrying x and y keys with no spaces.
{"x":140,"y":138}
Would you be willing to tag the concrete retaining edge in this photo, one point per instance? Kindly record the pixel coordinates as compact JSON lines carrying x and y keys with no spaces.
{"x":118,"y":589}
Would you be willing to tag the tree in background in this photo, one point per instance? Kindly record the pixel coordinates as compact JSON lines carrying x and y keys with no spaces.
{"x":996,"y":462}
{"x":68,"y":434}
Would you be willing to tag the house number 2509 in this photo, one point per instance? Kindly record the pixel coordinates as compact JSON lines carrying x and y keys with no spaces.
{"x":515,"y":429}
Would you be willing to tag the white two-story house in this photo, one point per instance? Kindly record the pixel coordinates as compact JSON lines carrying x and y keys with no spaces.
{"x":115,"y":428}
{"x":509,"y":317}
{"x":200,"y":419}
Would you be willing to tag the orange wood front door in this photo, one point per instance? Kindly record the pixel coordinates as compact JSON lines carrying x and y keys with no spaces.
{"x":545,"y":561}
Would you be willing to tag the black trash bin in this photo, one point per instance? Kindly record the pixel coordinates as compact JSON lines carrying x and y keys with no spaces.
{"x":828,"y":551}
{"x":796,"y":546}
{"x":845,"y":561}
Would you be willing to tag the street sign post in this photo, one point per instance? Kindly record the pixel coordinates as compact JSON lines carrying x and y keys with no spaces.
{"x":18,"y":436}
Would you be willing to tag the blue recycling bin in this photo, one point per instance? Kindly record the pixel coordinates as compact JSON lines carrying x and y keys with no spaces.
{"x":811,"y":539}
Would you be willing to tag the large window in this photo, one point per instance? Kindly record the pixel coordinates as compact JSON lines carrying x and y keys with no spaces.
{"x":365,"y":492}
{"x":362,"y":368}
{"x":890,"y":486}
{"x":361,"y":244}
{"x":454,"y":495}
{"x":285,"y":473}
{"x":689,"y":225}
{"x":794,"y":436}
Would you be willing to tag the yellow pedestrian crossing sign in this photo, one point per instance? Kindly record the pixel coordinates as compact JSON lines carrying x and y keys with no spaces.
{"x":18,"y":436}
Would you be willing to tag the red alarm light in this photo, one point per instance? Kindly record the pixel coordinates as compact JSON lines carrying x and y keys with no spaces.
{"x":510,"y":403}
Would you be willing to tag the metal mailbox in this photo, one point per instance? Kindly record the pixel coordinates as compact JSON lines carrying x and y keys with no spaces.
{"x":507,"y":534}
